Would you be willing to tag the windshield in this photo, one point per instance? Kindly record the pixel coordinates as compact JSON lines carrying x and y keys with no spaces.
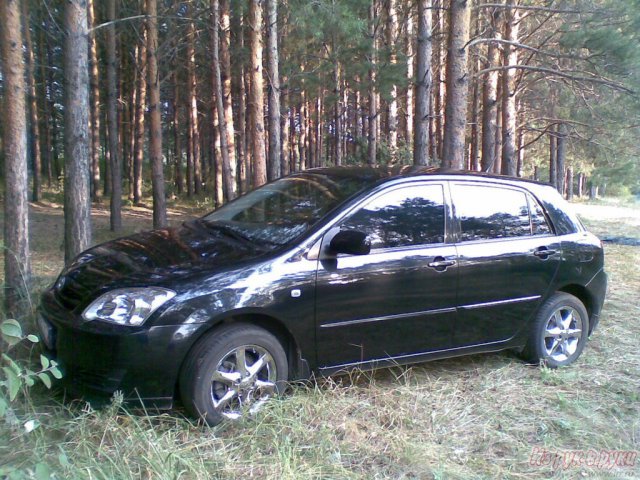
{"x":283,"y":210}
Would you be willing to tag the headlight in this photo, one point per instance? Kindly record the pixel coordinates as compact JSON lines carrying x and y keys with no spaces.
{"x":131,"y":306}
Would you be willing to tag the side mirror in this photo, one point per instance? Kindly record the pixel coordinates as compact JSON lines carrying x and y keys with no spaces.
{"x":350,"y":242}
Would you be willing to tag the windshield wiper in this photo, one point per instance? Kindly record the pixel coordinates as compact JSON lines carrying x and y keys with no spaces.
{"x":230,"y":232}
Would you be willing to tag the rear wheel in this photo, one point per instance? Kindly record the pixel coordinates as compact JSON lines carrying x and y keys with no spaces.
{"x":231,"y":372}
{"x":559,"y":332}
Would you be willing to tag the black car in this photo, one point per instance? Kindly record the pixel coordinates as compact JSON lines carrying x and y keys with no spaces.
{"x":323,"y":271}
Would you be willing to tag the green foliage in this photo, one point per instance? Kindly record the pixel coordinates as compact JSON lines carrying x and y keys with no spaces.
{"x":16,"y":375}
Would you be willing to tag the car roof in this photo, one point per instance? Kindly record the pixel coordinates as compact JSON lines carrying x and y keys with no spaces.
{"x":563,"y":217}
{"x":391,"y":172}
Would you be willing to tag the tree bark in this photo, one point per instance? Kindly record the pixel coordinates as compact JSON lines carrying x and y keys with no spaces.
{"x":155,"y":122}
{"x":474,"y":143}
{"x":177,"y":148}
{"x":45,"y":104}
{"x":372,"y":147}
{"x":570,"y":183}
{"x":273,"y":73}
{"x":337,"y":113}
{"x":489,"y":97}
{"x":112,"y":122}
{"x":438,"y":61}
{"x":225,"y":58}
{"x":423,"y":84}
{"x":235,"y":34}
{"x":256,"y":94}
{"x":141,"y":102}
{"x":509,"y":113}
{"x":95,"y":104}
{"x":286,"y":164}
{"x":553,"y":155}
{"x":409,"y":120}
{"x":193,"y":109}
{"x":226,"y":150}
{"x":561,"y":158}
{"x":77,"y":199}
{"x":34,"y":122}
{"x":392,"y":40}
{"x":17,"y":263}
{"x":457,"y":84}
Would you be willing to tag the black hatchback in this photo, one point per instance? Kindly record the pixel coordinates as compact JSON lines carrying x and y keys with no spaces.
{"x":323,"y":271}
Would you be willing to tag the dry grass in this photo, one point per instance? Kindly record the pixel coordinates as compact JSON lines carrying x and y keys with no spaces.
{"x":472,"y":417}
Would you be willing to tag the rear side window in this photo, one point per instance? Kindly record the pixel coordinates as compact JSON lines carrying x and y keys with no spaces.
{"x":402,"y":217}
{"x":488,"y":212}
{"x":539,"y":223}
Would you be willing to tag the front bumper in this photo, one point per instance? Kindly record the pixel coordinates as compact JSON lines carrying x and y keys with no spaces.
{"x":98,"y":359}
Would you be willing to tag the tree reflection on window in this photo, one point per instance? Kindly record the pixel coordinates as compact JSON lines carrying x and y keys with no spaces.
{"x":491,"y":212}
{"x":282,"y":210}
{"x":403,"y":217}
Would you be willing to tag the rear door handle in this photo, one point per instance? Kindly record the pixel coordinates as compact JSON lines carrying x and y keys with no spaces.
{"x":543,"y":252}
{"x":440,"y":264}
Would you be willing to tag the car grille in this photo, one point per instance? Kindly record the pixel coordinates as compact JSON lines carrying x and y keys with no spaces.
{"x":70,"y":293}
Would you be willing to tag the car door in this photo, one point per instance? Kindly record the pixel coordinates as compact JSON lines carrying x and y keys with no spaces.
{"x":507,"y":259}
{"x":398,"y":300}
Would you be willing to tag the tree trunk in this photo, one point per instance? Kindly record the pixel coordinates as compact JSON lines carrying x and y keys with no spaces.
{"x":561,"y":158}
{"x":193,"y":109}
{"x":409,"y":120}
{"x":256,"y":94}
{"x":392,"y":41}
{"x":490,"y":98}
{"x":457,"y":84}
{"x":177,"y":148}
{"x":225,"y":57}
{"x":235,"y":34}
{"x":372,"y":148}
{"x":77,"y":200}
{"x":520,"y":151}
{"x":46,"y":112}
{"x":34,"y":122}
{"x":273,"y":73}
{"x":474,"y":143}
{"x":509,"y":113}
{"x":17,"y":263}
{"x":423,"y":84}
{"x":553,"y":158}
{"x":438,"y":59}
{"x":570,"y":183}
{"x":95,"y":104}
{"x":226,"y":150}
{"x":286,"y":164}
{"x":155,"y":121}
{"x":581,"y":178}
{"x":337,"y":114}
{"x":141,"y":102}
{"x":216,"y":154}
{"x":112,"y":123}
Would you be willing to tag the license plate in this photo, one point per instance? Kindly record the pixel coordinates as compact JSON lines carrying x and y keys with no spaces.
{"x":46,"y":332}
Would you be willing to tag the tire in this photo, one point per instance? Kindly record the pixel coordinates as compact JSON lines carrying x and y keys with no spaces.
{"x":559,"y":332}
{"x":213,"y":384}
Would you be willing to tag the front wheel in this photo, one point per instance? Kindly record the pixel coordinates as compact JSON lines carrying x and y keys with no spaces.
{"x":559,"y":332}
{"x":231,"y":372}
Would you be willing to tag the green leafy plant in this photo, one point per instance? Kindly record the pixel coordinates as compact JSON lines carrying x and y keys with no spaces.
{"x":16,"y":375}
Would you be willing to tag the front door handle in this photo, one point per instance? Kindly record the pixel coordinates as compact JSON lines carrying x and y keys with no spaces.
{"x":543,"y":252}
{"x":440,"y":264}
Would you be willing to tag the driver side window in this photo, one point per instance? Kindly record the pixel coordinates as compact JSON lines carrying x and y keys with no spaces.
{"x":403,"y":217}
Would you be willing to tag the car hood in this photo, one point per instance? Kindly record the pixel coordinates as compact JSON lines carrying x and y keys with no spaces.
{"x":152,"y":257}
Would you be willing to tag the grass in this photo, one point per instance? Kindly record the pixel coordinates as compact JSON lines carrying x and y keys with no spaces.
{"x":472,"y":417}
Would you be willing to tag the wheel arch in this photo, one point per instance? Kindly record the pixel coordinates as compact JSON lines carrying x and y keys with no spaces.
{"x":298,"y":366}
{"x":582,"y":294}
